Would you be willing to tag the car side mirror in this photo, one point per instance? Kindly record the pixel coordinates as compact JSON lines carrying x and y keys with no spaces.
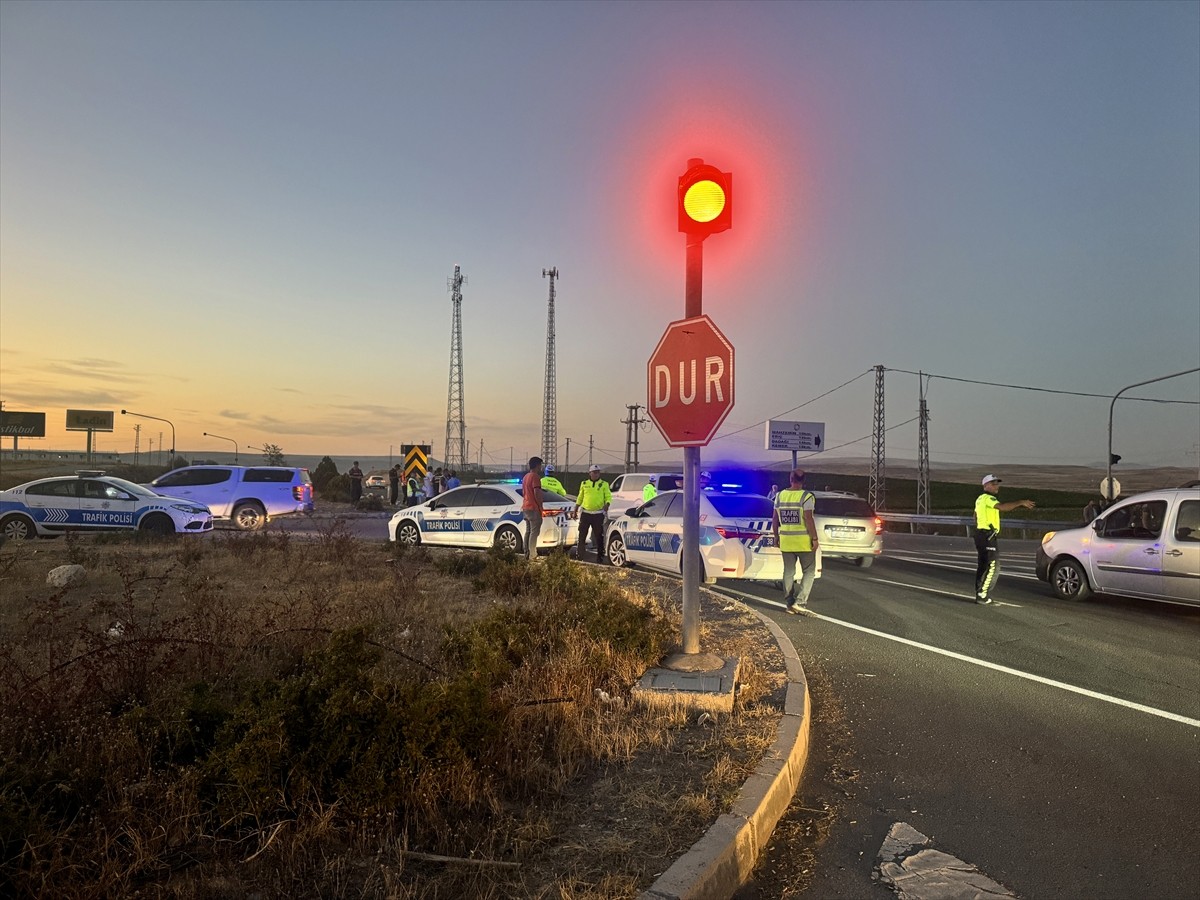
{"x":1098,"y":526}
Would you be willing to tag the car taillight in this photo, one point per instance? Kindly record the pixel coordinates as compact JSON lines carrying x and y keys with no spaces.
{"x":878,"y":525}
{"x":298,"y":492}
{"x":738,"y":534}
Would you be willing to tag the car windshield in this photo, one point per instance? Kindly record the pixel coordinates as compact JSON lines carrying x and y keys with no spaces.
{"x":547,"y":496}
{"x":844,"y":508}
{"x":136,"y":489}
{"x":741,"y":506}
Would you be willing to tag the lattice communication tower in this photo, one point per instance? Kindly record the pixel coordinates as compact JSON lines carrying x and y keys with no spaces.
{"x":456,"y":426}
{"x":922,"y":448}
{"x":549,"y":402}
{"x":877,"y":488}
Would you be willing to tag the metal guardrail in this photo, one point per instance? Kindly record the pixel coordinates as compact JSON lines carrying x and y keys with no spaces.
{"x":967,"y":522}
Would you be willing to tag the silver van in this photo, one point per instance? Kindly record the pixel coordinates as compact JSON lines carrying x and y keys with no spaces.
{"x":1146,"y":546}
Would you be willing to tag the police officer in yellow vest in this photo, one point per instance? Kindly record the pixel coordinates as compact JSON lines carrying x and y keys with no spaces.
{"x":796,"y":538}
{"x":550,"y":483}
{"x":592,"y":507}
{"x":987,"y":531}
{"x":650,"y":491}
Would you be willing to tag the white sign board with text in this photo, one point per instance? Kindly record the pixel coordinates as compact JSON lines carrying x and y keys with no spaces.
{"x":806,"y":436}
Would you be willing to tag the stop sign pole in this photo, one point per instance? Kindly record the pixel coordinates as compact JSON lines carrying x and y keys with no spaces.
{"x":693,"y":306}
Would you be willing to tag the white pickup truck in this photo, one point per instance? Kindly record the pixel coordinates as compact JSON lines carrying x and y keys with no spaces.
{"x":246,"y":496}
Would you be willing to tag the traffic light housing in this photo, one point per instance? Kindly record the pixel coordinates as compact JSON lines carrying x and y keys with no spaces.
{"x":1114,"y":458}
{"x":705,"y":202}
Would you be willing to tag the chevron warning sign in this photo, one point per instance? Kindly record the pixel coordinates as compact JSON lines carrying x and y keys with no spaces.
{"x":416,"y":459}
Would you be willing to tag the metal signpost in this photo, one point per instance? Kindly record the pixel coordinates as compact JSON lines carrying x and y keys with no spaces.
{"x":690,"y":374}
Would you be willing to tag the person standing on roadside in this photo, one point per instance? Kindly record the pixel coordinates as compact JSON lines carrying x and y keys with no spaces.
{"x":356,"y":479}
{"x":1091,"y":511}
{"x":412,"y":487}
{"x":452,"y":479}
{"x":531,"y":505}
{"x":987,"y":533}
{"x":796,"y":538}
{"x":591,"y":505}
{"x":394,"y":479}
{"x":773,"y":493}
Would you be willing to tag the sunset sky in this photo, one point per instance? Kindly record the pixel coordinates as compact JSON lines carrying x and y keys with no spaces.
{"x":242,"y":216}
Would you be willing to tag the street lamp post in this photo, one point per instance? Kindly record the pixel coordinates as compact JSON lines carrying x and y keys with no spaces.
{"x":1108,"y":483}
{"x":171,"y":457}
{"x":231,"y":440}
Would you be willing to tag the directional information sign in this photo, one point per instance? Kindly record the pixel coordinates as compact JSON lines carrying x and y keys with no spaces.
{"x":806,"y":436}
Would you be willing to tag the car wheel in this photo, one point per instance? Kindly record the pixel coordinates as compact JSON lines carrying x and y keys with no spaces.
{"x":18,"y":528}
{"x":616,"y":551}
{"x":1068,"y":580}
{"x":249,"y":517}
{"x":508,"y":538}
{"x":408,"y":534}
{"x":158,"y":525}
{"x":864,"y":562}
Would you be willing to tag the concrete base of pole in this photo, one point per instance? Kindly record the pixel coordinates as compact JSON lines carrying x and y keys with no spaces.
{"x":708,"y":689}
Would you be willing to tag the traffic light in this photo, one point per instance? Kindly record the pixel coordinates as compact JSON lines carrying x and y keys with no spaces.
{"x":1114,"y":458}
{"x":705,"y":203}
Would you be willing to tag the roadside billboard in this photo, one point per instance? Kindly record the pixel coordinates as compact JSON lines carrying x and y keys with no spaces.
{"x":89,"y":420}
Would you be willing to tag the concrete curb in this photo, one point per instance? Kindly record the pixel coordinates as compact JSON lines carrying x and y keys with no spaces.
{"x":722,"y":860}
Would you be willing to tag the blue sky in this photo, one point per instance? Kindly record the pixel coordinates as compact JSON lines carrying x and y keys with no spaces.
{"x":242,"y":217}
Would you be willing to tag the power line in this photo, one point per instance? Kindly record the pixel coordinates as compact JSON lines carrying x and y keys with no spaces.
{"x":755,"y":425}
{"x":1023,"y":387}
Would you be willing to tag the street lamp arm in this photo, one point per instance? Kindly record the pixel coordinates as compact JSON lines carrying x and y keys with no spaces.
{"x":1108,"y":483}
{"x":231,"y":440}
{"x":126,"y":412}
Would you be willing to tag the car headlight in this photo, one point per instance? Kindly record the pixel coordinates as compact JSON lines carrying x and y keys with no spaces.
{"x":1047,"y":536}
{"x":193,"y":510}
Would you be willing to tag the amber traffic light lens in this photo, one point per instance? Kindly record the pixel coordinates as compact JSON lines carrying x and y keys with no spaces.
{"x":704,"y":201}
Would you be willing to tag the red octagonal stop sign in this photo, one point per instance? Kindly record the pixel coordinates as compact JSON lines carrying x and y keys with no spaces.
{"x":689,"y":382}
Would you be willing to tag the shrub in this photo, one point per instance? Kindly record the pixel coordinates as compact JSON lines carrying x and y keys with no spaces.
{"x":337,"y":489}
{"x":325,"y":471}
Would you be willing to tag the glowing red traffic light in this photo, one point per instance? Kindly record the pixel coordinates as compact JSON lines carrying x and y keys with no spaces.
{"x":705,"y":202}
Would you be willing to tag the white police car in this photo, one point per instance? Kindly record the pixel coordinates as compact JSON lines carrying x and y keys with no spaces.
{"x":735,"y":536}
{"x":93,"y":501}
{"x":483,"y":515}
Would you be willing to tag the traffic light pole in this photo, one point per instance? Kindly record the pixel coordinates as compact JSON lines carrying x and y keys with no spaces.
{"x":693,"y":305}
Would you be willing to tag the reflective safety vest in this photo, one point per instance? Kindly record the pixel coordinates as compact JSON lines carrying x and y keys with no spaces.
{"x":793,"y":533}
{"x":550,"y":483}
{"x":594,"y":495}
{"x":649,"y":492}
{"x":987,"y":512}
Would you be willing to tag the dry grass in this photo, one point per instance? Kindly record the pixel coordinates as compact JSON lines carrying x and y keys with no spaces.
{"x":259,"y":715}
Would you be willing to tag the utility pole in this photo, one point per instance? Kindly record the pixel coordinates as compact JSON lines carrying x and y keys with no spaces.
{"x":567,"y":464}
{"x":137,"y":443}
{"x":591,"y":444}
{"x":877,"y":487}
{"x":549,"y":402}
{"x":632,"y":427}
{"x":922,"y":448}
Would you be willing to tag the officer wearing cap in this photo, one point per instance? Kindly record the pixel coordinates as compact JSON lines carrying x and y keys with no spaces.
{"x":550,"y":483}
{"x":592,"y":507}
{"x":987,"y":532}
{"x":650,"y":491}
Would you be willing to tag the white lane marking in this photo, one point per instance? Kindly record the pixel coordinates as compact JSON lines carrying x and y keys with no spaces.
{"x":919,"y":587}
{"x":925,"y":561}
{"x":962,"y":657}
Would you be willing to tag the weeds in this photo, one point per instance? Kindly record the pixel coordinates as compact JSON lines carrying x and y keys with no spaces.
{"x":244,"y":715}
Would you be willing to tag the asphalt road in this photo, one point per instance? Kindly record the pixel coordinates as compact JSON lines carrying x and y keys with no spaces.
{"x":1048,"y":791}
